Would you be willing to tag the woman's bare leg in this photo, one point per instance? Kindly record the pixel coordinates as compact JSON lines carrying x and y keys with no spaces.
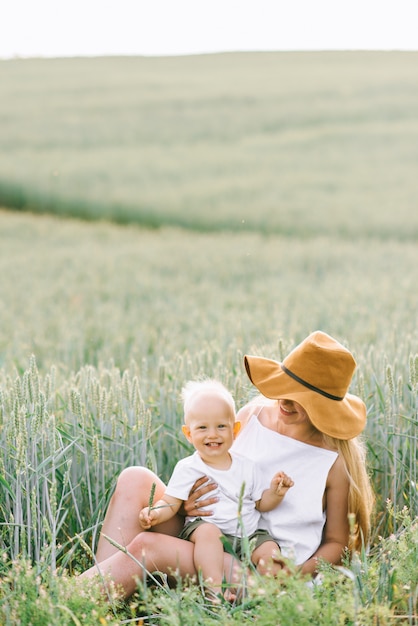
{"x":121,"y":522}
{"x":146,"y":553}
{"x":152,"y":552}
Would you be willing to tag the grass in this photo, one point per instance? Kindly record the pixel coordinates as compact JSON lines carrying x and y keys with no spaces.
{"x":279,"y":189}
{"x":116,"y":327}
{"x":380,"y":589}
{"x":285,"y":143}
{"x":76,"y":293}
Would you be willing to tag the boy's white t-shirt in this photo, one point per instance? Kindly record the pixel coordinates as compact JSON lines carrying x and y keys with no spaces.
{"x":230,"y":482}
{"x":298,"y":522}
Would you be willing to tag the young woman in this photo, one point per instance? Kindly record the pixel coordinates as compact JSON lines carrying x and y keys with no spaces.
{"x":307,"y":423}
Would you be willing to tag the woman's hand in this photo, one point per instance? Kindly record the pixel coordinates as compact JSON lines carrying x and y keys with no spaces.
{"x":197,"y":509}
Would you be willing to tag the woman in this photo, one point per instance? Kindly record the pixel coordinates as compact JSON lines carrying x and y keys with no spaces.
{"x":307,"y":424}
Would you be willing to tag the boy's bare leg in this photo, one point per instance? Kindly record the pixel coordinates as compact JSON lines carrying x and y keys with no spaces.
{"x":267,"y":559}
{"x":209,"y":556}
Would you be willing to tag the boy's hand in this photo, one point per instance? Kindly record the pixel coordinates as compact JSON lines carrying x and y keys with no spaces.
{"x":147,"y":517}
{"x":280,"y":483}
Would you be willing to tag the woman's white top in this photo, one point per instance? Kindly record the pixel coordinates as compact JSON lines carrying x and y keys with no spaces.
{"x":297,"y":522}
{"x":229,"y":481}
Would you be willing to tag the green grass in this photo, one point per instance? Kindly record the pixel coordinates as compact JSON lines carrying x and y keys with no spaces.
{"x":172,"y":305}
{"x":76,"y":293}
{"x":280,"y":189}
{"x":290,"y":143}
{"x":118,"y":318}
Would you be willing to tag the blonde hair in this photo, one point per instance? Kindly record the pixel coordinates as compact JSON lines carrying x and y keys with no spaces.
{"x":194,"y":389}
{"x":360,"y":492}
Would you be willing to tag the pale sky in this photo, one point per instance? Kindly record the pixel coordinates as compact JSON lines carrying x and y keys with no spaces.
{"x":175,"y":27}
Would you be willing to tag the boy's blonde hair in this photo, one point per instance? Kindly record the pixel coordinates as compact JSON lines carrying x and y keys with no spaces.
{"x":207,"y":387}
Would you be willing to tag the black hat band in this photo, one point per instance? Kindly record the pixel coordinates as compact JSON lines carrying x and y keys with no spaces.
{"x":309,"y":386}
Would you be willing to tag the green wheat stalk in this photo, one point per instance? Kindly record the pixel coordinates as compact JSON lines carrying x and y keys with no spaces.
{"x":151,"y":500}
{"x":151,"y":496}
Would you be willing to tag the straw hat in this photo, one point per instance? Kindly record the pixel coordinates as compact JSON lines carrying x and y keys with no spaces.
{"x":317,"y":375}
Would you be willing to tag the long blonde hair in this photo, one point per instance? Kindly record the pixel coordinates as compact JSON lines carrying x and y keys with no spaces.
{"x":360,"y":492}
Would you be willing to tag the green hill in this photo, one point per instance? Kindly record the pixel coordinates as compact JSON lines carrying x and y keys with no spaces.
{"x":290,"y":143}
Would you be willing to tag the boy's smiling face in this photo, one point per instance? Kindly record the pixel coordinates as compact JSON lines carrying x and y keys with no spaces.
{"x":211,"y":427}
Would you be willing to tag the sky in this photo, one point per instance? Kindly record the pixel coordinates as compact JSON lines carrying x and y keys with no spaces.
{"x":56,"y":28}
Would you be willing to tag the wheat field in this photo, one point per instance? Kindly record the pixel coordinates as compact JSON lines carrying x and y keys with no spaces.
{"x":160,"y":219}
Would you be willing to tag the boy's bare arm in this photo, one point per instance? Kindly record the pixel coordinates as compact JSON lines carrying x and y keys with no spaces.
{"x":159,"y":512}
{"x":272,"y":496}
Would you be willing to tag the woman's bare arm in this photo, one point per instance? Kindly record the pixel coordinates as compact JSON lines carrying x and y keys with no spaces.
{"x":336,"y":532}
